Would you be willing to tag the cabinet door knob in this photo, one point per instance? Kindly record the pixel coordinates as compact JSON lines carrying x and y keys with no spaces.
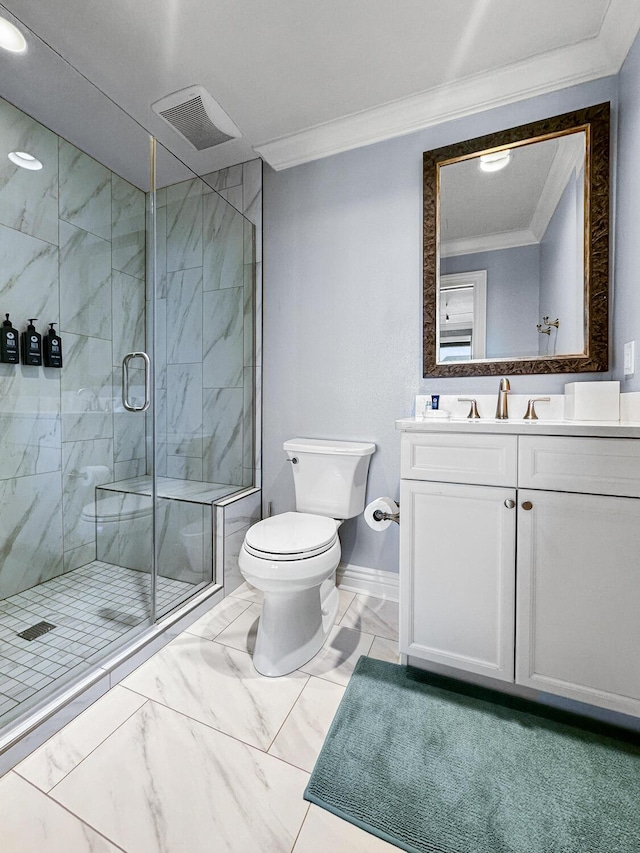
{"x":527,"y":505}
{"x":509,"y":503}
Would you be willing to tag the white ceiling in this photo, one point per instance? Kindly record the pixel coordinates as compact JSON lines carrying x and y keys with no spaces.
{"x":303,"y":79}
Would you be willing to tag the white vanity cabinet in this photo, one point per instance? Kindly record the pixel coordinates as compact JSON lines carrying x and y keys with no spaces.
{"x":563,"y":616}
{"x":457,"y":551}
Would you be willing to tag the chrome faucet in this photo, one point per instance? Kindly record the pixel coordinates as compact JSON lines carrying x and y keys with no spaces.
{"x":502,"y":410}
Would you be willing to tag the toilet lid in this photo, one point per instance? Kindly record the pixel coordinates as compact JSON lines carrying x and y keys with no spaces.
{"x":291,"y":535}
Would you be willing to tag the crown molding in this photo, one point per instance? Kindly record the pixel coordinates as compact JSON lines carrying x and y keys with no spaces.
{"x":549,"y":72}
{"x":488,"y":243}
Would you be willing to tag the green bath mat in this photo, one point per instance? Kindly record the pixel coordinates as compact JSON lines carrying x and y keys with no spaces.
{"x":434,"y":770}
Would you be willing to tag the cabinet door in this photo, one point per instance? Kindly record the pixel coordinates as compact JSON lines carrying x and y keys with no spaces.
{"x":578,"y":609}
{"x":457,"y":560}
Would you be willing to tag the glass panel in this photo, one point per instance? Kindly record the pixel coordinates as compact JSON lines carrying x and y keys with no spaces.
{"x":75,"y":544}
{"x":204,"y":360}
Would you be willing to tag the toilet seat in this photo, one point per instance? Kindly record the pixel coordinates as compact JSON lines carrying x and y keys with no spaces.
{"x":115,"y":509}
{"x":291,"y":536}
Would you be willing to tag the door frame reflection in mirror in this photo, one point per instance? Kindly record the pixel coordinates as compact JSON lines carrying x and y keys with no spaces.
{"x":595,"y":122}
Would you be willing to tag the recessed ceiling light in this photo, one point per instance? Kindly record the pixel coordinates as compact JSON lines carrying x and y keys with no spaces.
{"x":11,"y":38}
{"x":496,"y":161}
{"x":24,"y":160}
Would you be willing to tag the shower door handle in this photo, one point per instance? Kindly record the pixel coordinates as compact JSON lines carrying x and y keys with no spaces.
{"x":125,"y":382}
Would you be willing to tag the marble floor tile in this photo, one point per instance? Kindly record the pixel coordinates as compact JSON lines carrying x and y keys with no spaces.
{"x":248,"y":593}
{"x":337,"y":658}
{"x":300,"y":739}
{"x":241,"y":633}
{"x":345,"y":599}
{"x":32,"y":821}
{"x":49,"y":764}
{"x":373,"y":615}
{"x":218,"y":685}
{"x":164,"y":782}
{"x":322,"y":831}
{"x":218,"y":618}
{"x":384,"y":649}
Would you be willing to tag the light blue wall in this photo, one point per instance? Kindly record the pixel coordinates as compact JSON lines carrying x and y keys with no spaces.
{"x":343,"y":303}
{"x":562,"y":272}
{"x":627,"y":235}
{"x":513,"y":287}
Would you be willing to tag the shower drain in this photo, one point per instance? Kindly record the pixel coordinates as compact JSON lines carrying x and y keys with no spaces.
{"x":36,"y":630}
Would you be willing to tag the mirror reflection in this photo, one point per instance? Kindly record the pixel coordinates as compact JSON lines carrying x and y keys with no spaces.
{"x":511,"y":229}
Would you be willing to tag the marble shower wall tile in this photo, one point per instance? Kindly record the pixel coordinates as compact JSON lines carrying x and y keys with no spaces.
{"x":222,"y":435}
{"x":85,"y":191}
{"x":86,"y":388}
{"x":129,"y":469}
{"x":127,"y":228}
{"x":28,"y":199}
{"x":31,"y":444}
{"x":248,"y":417}
{"x":28,"y":279}
{"x":184,"y":410}
{"x":30,"y":531}
{"x":249,"y":316}
{"x":156,"y":324}
{"x":128,"y":313}
{"x":85,"y":283}
{"x":77,"y":557}
{"x":223,"y":338}
{"x":233,"y":195}
{"x":129,"y":435}
{"x":160,"y":255}
{"x":252,"y":199}
{"x":239,"y":514}
{"x":184,"y":225}
{"x":79,"y":486}
{"x":223,"y":178}
{"x":184,"y":316}
{"x":223,"y":243}
{"x":30,"y":390}
{"x":184,"y":467}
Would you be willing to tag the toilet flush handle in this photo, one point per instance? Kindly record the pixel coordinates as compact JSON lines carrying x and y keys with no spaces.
{"x":293,"y":460}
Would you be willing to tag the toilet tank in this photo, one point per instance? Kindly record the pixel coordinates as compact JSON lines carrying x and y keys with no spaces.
{"x":330,"y":477}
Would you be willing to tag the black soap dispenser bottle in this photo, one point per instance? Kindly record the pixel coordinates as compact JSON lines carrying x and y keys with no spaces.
{"x":31,"y":345}
{"x":9,"y":353}
{"x":52,"y":348}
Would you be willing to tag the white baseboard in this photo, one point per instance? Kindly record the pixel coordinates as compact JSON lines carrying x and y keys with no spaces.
{"x":374,"y":582}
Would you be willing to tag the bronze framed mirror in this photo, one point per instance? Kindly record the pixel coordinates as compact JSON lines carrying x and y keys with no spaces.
{"x":516,"y":250}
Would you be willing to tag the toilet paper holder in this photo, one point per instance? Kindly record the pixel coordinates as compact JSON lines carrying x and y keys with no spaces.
{"x":379,"y":515}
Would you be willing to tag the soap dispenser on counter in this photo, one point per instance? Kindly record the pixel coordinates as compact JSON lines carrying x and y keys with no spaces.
{"x":31,"y":345}
{"x":52,"y":348}
{"x":9,"y":353}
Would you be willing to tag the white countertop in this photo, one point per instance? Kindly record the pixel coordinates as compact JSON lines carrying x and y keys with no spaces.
{"x":514,"y":426}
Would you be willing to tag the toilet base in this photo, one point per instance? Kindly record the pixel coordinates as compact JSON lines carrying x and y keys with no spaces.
{"x":308,"y":616}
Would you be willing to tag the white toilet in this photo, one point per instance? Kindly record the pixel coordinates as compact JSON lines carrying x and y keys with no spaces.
{"x":293,"y":557}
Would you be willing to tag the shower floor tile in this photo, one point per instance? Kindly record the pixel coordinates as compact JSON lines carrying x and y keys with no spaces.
{"x":91,"y":607}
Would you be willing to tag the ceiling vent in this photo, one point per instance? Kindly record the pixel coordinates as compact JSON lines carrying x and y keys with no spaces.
{"x":197,"y":117}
